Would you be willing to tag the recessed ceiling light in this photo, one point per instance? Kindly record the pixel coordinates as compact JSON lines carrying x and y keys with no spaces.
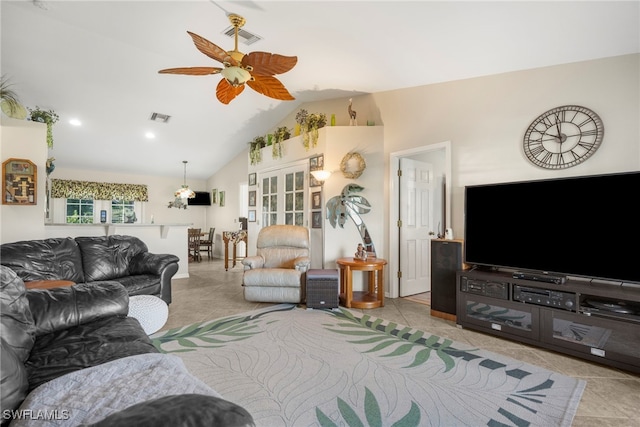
{"x":75,"y":122}
{"x":149,"y":135}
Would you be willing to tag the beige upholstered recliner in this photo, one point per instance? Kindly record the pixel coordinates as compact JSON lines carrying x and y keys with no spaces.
{"x":277,"y":272}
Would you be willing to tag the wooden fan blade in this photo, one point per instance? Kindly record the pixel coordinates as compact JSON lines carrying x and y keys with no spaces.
{"x":268,"y":64}
{"x":192,"y":71}
{"x":226,"y":92}
{"x":271,"y":87}
{"x":212,"y":50}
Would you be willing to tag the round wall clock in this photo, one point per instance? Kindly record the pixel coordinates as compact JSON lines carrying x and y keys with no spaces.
{"x":563,"y":137}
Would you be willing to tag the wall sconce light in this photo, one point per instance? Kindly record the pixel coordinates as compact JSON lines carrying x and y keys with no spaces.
{"x":321,"y":175}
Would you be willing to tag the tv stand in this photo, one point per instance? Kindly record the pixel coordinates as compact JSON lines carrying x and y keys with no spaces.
{"x":599,"y":322}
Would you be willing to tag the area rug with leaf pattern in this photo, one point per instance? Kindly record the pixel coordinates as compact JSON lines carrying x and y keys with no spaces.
{"x":290,"y":366}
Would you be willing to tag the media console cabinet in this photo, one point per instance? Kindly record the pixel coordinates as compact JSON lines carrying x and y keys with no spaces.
{"x":597,"y":321}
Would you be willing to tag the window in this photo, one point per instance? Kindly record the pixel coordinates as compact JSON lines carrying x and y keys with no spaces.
{"x":123,"y":212}
{"x":79,"y":211}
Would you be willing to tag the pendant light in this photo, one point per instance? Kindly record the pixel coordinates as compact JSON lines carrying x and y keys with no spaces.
{"x":183,"y":193}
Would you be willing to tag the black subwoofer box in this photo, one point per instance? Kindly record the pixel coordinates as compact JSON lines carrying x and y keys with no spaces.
{"x":322,"y":288}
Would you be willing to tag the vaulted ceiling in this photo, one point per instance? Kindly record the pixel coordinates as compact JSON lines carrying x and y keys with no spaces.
{"x":98,"y":61}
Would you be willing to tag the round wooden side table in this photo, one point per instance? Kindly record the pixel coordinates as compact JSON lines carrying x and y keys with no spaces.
{"x":374,"y":296}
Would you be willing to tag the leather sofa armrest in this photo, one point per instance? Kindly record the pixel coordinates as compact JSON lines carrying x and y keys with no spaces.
{"x":252,"y":262}
{"x":302,"y":263}
{"x":61,"y":308}
{"x":148,"y":263}
{"x":180,"y":410}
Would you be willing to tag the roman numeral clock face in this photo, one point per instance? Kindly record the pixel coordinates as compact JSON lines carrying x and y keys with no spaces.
{"x":563,"y":137}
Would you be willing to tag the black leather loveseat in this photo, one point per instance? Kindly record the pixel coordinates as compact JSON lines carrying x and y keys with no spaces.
{"x":125,"y":259}
{"x":71,"y":356}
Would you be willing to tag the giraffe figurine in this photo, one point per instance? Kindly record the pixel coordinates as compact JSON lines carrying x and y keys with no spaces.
{"x":352,"y":115}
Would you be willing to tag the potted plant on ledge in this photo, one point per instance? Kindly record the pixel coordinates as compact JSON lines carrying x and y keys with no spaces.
{"x":309,"y":125}
{"x":281,"y":135}
{"x":49,"y":117}
{"x":255,"y":149}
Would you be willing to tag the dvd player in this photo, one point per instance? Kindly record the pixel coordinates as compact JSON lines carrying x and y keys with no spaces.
{"x":540,"y":277}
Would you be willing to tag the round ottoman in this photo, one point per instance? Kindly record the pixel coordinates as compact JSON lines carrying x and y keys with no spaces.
{"x":152,"y":312}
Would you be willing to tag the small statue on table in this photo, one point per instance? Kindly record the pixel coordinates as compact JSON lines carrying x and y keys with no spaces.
{"x":361,"y":253}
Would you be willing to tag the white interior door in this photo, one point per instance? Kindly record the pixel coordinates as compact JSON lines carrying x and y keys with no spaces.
{"x":416,"y":229}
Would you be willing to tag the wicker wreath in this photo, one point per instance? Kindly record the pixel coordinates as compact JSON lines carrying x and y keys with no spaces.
{"x":355,"y":172}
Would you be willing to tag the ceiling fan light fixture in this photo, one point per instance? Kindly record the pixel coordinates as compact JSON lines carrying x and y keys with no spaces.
{"x":236,"y":76}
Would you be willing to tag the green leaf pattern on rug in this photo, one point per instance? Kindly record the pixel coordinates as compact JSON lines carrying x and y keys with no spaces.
{"x":373,"y":414}
{"x":216,"y":333}
{"x":397,"y":341}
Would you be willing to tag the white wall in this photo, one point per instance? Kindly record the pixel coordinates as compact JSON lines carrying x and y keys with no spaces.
{"x":486,"y":118}
{"x":225,"y":218}
{"x":24,"y":140}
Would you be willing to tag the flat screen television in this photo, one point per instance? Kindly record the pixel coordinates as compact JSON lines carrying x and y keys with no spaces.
{"x":203,"y":198}
{"x":581,"y":226}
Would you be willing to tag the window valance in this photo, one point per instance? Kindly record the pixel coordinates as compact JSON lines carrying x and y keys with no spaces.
{"x":70,"y":189}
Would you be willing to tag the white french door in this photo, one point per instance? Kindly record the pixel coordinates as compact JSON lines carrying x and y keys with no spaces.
{"x":283,"y":198}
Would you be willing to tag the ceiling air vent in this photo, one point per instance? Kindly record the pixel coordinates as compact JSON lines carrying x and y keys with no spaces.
{"x":157,"y":117}
{"x":244,"y":36}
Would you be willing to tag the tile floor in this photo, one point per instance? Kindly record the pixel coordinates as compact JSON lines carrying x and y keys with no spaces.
{"x":611,"y":398}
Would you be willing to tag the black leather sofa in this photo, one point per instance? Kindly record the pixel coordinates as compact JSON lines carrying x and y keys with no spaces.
{"x":125,"y":259}
{"x":61,"y":349}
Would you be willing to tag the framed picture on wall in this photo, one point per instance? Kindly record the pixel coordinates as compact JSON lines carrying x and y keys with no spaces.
{"x":214,"y":196}
{"x":252,"y":198}
{"x":221,"y":198}
{"x":316,"y":219}
{"x":252,"y":179}
{"x":252,"y":216}
{"x":316,"y":200}
{"x":315,"y":163}
{"x":20,"y":182}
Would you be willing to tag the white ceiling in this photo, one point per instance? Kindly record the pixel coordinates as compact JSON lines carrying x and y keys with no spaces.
{"x":98,"y":61}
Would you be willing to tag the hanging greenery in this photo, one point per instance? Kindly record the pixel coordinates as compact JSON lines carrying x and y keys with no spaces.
{"x":309,"y":125}
{"x":255,"y":149}
{"x":49,"y":117}
{"x":281,"y":135}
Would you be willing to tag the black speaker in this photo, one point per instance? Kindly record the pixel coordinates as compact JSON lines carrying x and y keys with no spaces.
{"x":446,"y":260}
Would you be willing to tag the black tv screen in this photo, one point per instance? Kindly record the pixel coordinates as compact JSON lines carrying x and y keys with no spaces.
{"x":203,"y":198}
{"x":582,"y":226}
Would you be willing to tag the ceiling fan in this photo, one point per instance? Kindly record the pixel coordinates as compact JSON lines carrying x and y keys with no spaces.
{"x":256,"y":69}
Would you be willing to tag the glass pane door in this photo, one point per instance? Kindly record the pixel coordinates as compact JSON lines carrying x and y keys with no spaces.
{"x":270,"y":200}
{"x":294,"y":198}
{"x":283,"y":196}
